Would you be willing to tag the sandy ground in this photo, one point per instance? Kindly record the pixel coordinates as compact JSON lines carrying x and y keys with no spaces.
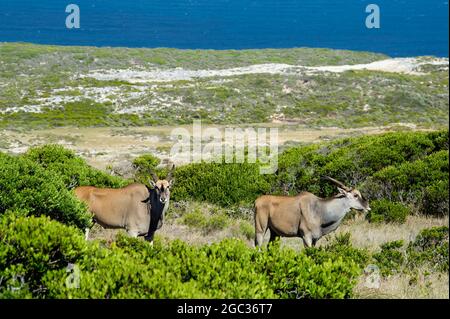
{"x":396,"y":65}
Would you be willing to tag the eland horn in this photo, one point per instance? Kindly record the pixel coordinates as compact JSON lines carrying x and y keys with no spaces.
{"x":341,"y":185}
{"x":154,"y":176}
{"x":169,"y":176}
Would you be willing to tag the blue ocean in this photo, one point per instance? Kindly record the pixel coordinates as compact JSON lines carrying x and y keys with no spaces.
{"x":407,"y":27}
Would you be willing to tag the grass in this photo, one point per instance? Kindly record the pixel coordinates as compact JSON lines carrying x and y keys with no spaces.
{"x":92,"y":57}
{"x":421,"y":285}
{"x":209,"y":219}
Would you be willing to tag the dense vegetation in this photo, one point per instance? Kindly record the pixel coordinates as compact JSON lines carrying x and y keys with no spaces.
{"x":130,"y":268}
{"x":27,"y":187}
{"x":400,"y":173}
{"x":408,"y":168}
{"x":41,"y":224}
{"x":36,"y":253}
{"x":39,"y":182}
{"x":429,"y":248}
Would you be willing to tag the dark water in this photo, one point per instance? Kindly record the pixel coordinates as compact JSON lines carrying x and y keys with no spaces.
{"x":408,"y":27}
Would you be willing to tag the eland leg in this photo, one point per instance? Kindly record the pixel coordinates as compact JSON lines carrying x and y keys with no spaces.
{"x":149,"y":237}
{"x":260,"y":230}
{"x":307,"y":240}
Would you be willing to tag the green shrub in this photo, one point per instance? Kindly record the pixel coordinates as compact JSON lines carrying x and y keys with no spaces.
{"x":407,"y":167}
{"x":31,"y":189}
{"x":247,"y":229}
{"x":386,"y":211}
{"x":30,"y":247}
{"x":73,"y":169}
{"x":430,"y":247}
{"x":340,"y":246}
{"x":300,"y":276}
{"x":145,"y":165}
{"x":39,"y":250}
{"x":435,"y":200}
{"x":352,"y":160}
{"x":197,"y":219}
{"x":391,"y":259}
{"x":222,"y":184}
{"x":216,"y":222}
{"x":411,"y":181}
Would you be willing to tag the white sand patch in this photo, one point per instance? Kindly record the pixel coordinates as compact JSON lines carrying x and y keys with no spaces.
{"x":26,"y":108}
{"x":57,"y":100}
{"x":97,"y":94}
{"x":17,"y":148}
{"x":396,"y":65}
{"x":179,"y":74}
{"x":157,"y":102}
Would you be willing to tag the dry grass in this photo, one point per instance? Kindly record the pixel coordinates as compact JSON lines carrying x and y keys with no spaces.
{"x":174,"y":230}
{"x":423,"y":285}
{"x":363,"y":233}
{"x":371,"y":236}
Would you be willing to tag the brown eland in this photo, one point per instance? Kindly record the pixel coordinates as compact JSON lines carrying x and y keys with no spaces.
{"x":305,"y":215}
{"x":137,"y":208}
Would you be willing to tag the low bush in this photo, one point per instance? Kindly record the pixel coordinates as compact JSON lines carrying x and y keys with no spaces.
{"x":391,"y":258}
{"x":30,"y":247}
{"x":352,"y":160}
{"x":222,"y":184}
{"x":386,"y":211}
{"x":145,"y":165}
{"x":247,"y":229}
{"x":73,"y":169}
{"x":39,"y":250}
{"x":406,"y":167}
{"x":195,"y":219}
{"x":29,"y":188}
{"x":408,"y":182}
{"x":340,"y":246}
{"x":430,"y":247}
{"x":435,"y":199}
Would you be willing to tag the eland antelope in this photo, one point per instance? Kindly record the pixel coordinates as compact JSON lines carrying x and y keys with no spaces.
{"x":305,"y":215}
{"x":137,"y":208}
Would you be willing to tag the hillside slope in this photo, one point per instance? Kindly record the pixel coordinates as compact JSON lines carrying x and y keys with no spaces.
{"x":50,"y":86}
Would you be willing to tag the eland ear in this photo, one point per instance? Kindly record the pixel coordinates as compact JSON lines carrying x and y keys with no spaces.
{"x":342,"y":191}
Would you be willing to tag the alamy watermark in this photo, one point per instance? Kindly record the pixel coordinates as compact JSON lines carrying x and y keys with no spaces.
{"x":373,"y":277}
{"x":373,"y":20}
{"x":73,"y":278}
{"x":227,"y":145}
{"x":73,"y":19}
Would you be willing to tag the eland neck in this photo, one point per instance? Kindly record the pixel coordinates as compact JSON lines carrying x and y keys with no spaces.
{"x":333,"y":211}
